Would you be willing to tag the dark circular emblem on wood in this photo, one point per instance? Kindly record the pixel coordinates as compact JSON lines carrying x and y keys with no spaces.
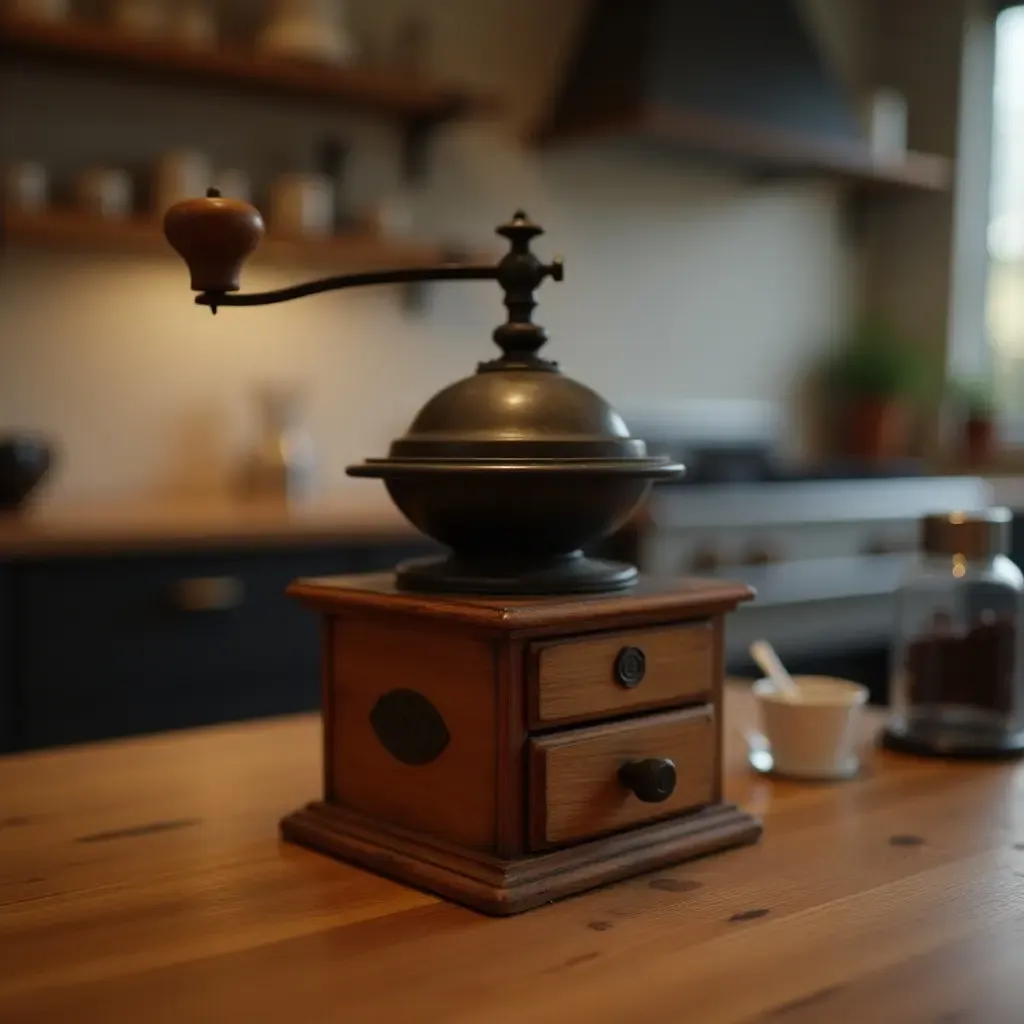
{"x":409,"y":727}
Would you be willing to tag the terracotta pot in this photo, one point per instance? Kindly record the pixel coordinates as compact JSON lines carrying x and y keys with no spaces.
{"x":979,"y":441}
{"x":877,"y":429}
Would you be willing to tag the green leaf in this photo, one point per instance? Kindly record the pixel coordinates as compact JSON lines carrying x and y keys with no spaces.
{"x":877,"y":363}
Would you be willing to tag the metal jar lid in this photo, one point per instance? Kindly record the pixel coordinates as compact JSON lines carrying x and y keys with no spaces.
{"x":978,"y":534}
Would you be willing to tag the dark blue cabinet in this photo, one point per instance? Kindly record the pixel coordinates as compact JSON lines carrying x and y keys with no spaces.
{"x":126,"y":645}
{"x":1017,"y":538}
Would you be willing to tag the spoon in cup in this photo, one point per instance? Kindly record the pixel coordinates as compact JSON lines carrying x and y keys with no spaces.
{"x":768,"y":662}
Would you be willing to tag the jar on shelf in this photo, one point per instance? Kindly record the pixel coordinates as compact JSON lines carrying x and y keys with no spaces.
{"x":145,"y":19}
{"x":182,"y":174}
{"x":193,"y":24}
{"x":307,"y":29}
{"x":302,"y":206}
{"x":26,"y":186}
{"x":41,"y":10}
{"x":105,"y":192}
{"x":957,"y":687}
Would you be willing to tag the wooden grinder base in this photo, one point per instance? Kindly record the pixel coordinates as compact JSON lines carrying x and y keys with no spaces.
{"x":501,"y":752}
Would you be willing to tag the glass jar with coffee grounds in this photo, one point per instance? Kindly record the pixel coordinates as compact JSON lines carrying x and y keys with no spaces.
{"x":957,"y":686}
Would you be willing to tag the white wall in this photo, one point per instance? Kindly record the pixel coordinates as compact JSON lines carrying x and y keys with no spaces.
{"x":681,"y":282}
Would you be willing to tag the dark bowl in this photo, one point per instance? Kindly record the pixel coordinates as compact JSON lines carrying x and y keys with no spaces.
{"x":519,"y":513}
{"x":24,"y":462}
{"x":519,"y":529}
{"x":518,"y":471}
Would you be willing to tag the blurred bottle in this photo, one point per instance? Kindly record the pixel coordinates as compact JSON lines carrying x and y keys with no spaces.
{"x":302,"y":205}
{"x":332,"y":162}
{"x":26,"y":186}
{"x":282,"y":464}
{"x":392,"y":217}
{"x":105,"y":192}
{"x":182,"y":174}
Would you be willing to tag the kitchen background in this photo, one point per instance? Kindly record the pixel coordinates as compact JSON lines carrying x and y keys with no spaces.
{"x":701,"y":296}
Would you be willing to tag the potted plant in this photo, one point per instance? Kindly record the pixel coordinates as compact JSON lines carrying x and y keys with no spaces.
{"x":976,"y":401}
{"x":879,"y":375}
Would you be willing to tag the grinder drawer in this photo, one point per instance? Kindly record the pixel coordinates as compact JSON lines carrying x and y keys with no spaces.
{"x":585,"y":782}
{"x":611,"y":673}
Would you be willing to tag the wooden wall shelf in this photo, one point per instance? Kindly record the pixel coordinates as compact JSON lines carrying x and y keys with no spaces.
{"x":361,"y":89}
{"x":68,"y":230}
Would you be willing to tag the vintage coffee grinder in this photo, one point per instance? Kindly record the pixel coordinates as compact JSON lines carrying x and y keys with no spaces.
{"x":515,"y":721}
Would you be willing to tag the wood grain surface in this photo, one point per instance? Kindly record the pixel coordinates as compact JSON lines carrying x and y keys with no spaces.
{"x":144,"y":880}
{"x":575,"y":679}
{"x":575,"y":791}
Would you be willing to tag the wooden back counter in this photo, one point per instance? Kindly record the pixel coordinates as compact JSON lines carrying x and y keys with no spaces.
{"x":144,"y":880}
{"x":109,"y":527}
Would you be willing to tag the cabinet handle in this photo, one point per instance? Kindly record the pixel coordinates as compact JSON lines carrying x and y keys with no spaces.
{"x":208,"y":594}
{"x":652,"y":780}
{"x":630,"y":667}
{"x":881,"y":547}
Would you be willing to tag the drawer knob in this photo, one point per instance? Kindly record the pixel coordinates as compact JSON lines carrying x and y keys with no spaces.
{"x":651,"y":780}
{"x":630,"y":666}
{"x":208,"y":594}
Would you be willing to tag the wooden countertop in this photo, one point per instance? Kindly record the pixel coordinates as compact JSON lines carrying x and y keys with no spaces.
{"x":144,"y":880}
{"x":110,"y":527}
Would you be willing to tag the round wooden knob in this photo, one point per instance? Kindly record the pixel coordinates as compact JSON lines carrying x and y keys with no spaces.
{"x":214,"y":236}
{"x":652,"y":780}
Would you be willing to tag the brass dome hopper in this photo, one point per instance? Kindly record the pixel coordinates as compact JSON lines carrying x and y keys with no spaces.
{"x":517,"y":469}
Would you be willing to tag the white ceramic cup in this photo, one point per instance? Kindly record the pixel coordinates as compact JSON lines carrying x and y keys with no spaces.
{"x":105,"y":192}
{"x":814,"y":736}
{"x":302,"y":205}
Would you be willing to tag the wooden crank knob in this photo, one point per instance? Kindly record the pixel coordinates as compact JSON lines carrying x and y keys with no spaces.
{"x":214,"y":236}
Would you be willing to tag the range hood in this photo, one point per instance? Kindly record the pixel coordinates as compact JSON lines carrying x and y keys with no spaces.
{"x":743,"y":80}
